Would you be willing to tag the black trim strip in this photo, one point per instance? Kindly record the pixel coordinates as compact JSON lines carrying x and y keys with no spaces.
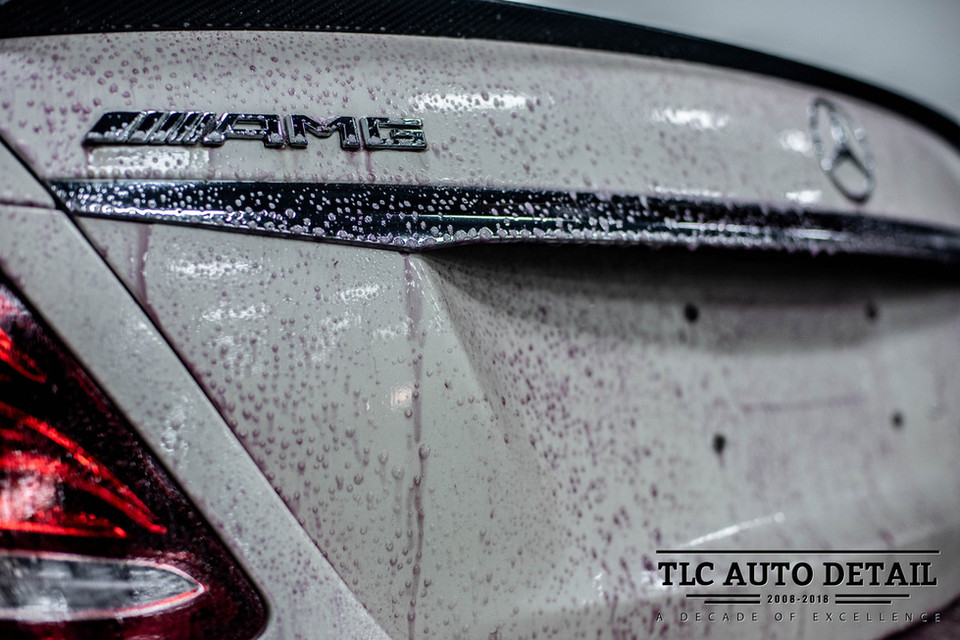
{"x":412,"y":218}
{"x":486,"y":19}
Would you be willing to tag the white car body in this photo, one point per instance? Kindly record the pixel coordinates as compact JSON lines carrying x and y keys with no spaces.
{"x":399,"y":435}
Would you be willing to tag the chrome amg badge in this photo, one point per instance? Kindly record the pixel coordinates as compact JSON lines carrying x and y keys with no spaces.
{"x":212,"y":130}
{"x":842,"y":149}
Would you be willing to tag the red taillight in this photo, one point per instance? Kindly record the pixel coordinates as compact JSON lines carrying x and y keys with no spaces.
{"x":95,"y":540}
{"x":10,"y":356}
{"x":39,"y":464}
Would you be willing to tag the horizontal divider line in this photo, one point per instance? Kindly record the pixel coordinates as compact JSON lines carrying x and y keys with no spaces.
{"x":892,"y":552}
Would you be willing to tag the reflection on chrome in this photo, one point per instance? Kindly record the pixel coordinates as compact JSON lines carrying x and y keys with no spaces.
{"x":470,"y":101}
{"x":794,"y":140}
{"x":804,"y":196}
{"x":225,"y":311}
{"x":598,"y":583}
{"x":211,"y":269}
{"x":687,"y":192}
{"x":732,"y":530}
{"x":402,"y":396}
{"x":360,"y":293}
{"x":140,"y":162}
{"x":700,"y":119}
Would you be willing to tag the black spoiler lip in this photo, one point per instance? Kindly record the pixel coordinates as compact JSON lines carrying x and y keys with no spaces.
{"x":481,"y":19}
{"x":418,"y":217}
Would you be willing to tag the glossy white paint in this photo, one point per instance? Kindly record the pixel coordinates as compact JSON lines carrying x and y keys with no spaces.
{"x":17,"y":186}
{"x":496,"y":114}
{"x":102,"y":325}
{"x":907,"y":48}
{"x":496,"y":441}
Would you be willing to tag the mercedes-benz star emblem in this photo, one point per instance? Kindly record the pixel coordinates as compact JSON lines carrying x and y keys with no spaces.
{"x":843,"y":150}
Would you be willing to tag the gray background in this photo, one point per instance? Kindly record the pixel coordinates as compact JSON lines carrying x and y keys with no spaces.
{"x":909,"y":46}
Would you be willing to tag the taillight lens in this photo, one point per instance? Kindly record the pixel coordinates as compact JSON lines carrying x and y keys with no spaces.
{"x":95,"y":540}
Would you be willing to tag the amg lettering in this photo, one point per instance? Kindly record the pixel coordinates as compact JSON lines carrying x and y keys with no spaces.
{"x":185,"y":128}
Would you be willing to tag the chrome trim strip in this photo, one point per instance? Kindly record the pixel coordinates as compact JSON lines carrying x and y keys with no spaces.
{"x":412,"y":218}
